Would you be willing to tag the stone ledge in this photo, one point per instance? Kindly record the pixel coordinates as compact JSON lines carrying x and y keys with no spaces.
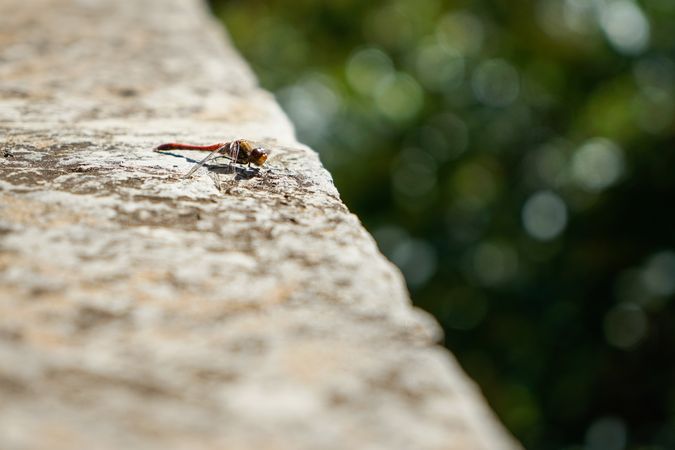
{"x":140,"y":309}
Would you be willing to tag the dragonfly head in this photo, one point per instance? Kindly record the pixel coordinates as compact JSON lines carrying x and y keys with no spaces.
{"x":258,"y":156}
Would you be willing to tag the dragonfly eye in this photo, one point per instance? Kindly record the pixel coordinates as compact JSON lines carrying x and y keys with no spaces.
{"x":258,"y":156}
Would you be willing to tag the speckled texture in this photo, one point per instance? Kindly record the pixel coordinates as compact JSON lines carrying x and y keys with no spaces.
{"x":142,"y":310}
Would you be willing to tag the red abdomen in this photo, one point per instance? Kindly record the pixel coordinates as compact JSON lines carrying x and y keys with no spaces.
{"x":178,"y":146}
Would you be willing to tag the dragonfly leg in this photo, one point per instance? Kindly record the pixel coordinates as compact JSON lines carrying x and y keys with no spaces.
{"x":210,"y":156}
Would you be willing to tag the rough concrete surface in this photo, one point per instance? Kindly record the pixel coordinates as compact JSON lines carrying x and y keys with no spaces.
{"x":142,"y":310}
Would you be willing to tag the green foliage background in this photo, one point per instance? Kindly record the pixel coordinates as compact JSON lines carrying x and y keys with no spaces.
{"x":516,"y":160}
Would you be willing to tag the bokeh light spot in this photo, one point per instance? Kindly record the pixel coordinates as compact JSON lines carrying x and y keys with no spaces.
{"x":522,"y":411}
{"x":659,"y":273}
{"x":654,"y":106}
{"x":654,"y":115}
{"x":455,"y":131}
{"x":432,"y":140}
{"x":366,"y":68}
{"x":625,"y":325}
{"x":549,"y":164}
{"x":578,"y":16}
{"x":495,"y":82}
{"x":312,"y":103}
{"x":548,"y":16}
{"x":629,"y":287}
{"x":413,"y":178}
{"x":399,"y":97}
{"x":655,"y":77}
{"x":606,"y":433}
{"x":439,"y":68}
{"x":493,"y":263}
{"x":415,"y":257}
{"x":544,"y":215}
{"x":417,"y":260}
{"x":597,"y":164}
{"x":391,"y":25}
{"x":461,"y":32}
{"x":625,"y":26}
{"x":567,"y":20}
{"x":388,"y":237}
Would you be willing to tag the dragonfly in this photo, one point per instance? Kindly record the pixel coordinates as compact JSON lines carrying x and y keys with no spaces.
{"x":239,"y":151}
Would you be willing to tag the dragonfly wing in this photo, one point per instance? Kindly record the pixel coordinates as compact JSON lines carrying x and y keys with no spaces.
{"x":272,"y":146}
{"x":234,"y":151}
{"x":202,"y":162}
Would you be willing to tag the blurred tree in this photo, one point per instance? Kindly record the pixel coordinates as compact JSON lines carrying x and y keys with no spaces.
{"x":515,"y":160}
